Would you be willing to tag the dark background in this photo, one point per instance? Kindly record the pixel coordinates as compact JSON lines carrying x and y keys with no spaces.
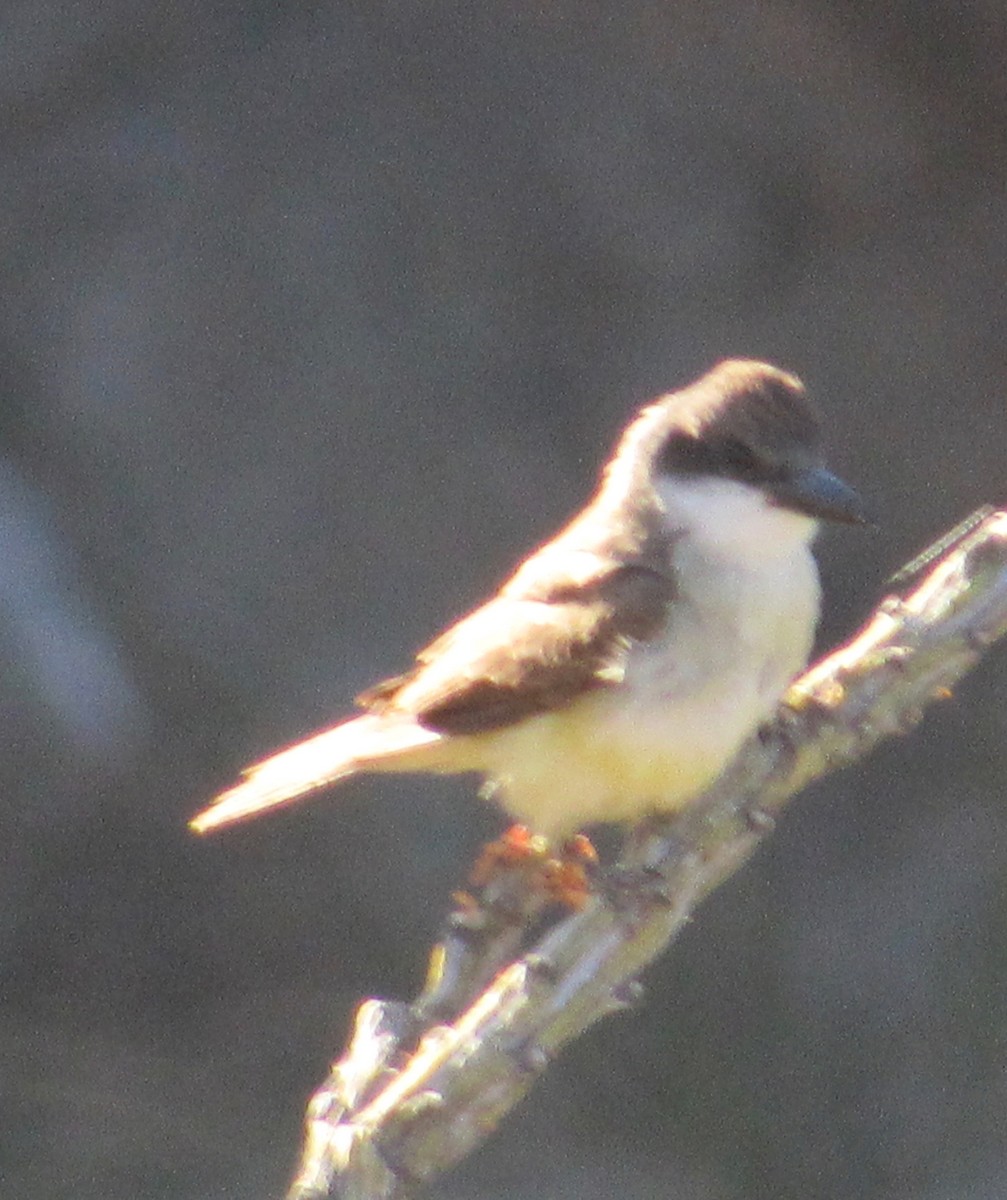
{"x":313,"y":319}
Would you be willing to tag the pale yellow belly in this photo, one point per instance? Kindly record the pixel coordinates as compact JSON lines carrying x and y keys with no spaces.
{"x":603,"y":760}
{"x":686,"y":703}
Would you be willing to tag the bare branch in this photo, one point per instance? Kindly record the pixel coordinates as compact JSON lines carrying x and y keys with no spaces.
{"x":419,"y":1088}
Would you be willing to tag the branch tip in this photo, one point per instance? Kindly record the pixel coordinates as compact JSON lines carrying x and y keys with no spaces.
{"x":420,"y":1087}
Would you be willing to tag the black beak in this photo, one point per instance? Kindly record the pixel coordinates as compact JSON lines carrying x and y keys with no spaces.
{"x":820,"y":494}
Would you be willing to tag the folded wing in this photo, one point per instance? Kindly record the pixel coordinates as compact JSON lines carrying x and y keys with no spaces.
{"x":525,"y":652}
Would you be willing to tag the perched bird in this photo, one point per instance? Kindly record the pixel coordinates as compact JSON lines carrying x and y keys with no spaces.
{"x":623,"y":664}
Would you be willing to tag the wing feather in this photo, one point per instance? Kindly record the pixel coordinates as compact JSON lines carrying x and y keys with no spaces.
{"x":531,"y":652}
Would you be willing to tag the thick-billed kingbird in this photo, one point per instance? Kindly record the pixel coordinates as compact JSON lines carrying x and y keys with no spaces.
{"x":623,"y":664}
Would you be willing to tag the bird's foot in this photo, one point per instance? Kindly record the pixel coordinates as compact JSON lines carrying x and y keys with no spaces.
{"x":569,"y":878}
{"x":516,"y":849}
{"x":566,"y":878}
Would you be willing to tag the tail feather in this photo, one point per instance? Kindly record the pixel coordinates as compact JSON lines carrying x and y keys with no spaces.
{"x":371,"y":743}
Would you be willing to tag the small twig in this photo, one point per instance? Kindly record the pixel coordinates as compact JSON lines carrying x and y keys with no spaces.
{"x":418,"y":1089}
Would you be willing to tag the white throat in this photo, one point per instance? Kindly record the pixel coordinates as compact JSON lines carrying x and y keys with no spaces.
{"x":740,"y":627}
{"x":733,"y":521}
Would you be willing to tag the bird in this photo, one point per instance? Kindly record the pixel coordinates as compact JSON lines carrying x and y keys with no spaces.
{"x":623,"y":664}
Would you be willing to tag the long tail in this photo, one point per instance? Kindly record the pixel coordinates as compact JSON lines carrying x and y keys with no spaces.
{"x":372,"y":743}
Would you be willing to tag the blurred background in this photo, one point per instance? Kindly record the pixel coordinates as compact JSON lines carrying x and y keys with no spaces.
{"x":314,"y":318}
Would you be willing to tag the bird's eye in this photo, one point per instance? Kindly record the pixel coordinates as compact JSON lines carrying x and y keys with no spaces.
{"x":729,"y":458}
{"x":739,"y":460}
{"x":688,"y":455}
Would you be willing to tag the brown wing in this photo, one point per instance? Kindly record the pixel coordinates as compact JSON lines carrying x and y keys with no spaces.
{"x":526,"y":654}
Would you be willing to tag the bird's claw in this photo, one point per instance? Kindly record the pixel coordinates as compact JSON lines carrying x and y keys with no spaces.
{"x":566,"y":877}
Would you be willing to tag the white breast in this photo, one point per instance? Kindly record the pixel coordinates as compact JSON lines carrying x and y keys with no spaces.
{"x":740,"y":628}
